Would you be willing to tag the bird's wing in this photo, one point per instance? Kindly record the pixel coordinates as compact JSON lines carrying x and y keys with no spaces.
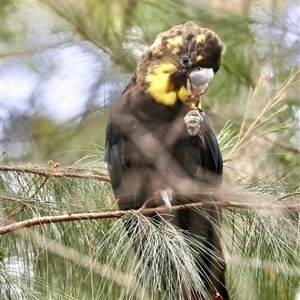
{"x":212,"y":148}
{"x":113,"y":155}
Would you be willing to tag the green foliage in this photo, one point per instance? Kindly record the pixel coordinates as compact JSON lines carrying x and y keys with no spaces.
{"x":95,"y":259}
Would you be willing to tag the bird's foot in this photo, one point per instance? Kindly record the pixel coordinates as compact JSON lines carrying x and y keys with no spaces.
{"x":193,"y":120}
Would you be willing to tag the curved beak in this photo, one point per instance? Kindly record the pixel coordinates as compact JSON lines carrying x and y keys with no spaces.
{"x":198,"y":82}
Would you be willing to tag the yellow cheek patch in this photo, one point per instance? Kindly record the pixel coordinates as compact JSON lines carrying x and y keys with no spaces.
{"x":174,"y":43}
{"x":182,"y":94}
{"x":200,"y":38}
{"x":159,"y":86}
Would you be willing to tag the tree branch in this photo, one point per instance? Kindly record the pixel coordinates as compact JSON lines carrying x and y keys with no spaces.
{"x":62,"y":173}
{"x":146,"y":212}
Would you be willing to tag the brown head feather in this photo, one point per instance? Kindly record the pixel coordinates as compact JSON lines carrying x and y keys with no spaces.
{"x":202,"y":45}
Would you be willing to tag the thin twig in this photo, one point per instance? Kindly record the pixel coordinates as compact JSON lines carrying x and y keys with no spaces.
{"x":287,"y":195}
{"x":24,"y":205}
{"x":271,"y":103}
{"x":39,"y":188}
{"x":273,"y":141}
{"x":16,"y":211}
{"x":65,"y":173}
{"x":16,"y":199}
{"x":146,"y":212}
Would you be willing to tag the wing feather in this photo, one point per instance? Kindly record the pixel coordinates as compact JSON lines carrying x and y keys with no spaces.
{"x":113,"y":155}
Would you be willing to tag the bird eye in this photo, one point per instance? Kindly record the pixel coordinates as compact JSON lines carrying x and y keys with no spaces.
{"x":185,"y":61}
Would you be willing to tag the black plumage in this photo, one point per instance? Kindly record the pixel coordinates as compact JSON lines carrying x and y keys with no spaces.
{"x":149,"y":150}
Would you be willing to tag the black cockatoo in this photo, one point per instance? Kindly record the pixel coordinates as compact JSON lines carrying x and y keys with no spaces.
{"x":159,"y":143}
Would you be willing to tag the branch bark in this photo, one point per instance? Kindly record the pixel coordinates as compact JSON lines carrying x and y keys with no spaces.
{"x":146,"y":212}
{"x":60,"y":172}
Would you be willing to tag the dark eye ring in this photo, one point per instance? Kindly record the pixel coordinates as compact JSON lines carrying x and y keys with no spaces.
{"x":185,"y":61}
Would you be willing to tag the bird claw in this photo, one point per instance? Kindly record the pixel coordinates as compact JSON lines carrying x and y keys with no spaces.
{"x":166,"y":196}
{"x":193,"y":120}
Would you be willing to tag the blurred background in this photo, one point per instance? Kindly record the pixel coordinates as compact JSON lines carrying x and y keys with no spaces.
{"x":64,"y":63}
